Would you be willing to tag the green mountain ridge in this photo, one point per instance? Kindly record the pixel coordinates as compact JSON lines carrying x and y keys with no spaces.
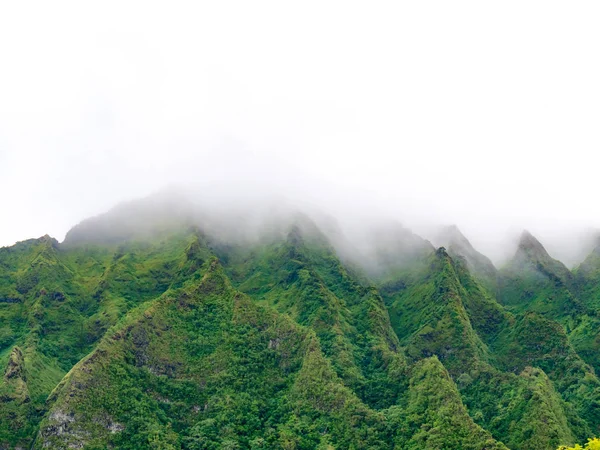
{"x":146,"y":329}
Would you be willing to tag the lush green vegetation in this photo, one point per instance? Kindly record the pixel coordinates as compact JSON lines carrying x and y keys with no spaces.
{"x":177,"y":338}
{"x":591,"y":444}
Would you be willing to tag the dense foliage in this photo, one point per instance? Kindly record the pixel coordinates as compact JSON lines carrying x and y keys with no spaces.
{"x":176,"y":337}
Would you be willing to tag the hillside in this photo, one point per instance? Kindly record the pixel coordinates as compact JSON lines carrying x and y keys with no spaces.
{"x":155,"y":326}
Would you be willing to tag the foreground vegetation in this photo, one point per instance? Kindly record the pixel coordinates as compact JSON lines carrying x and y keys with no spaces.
{"x":592,"y":444}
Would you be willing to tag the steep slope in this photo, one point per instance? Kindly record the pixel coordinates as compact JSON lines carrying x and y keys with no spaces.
{"x":16,"y":411}
{"x":587,"y":279}
{"x":430,"y":318}
{"x":534,"y":281}
{"x":446,"y":312}
{"x":63,"y":299}
{"x":540,"y":342}
{"x":42,"y":328}
{"x":205,"y":367}
{"x":554,"y":329}
{"x":516,"y":344}
{"x":586,"y":335}
{"x":196,"y":359}
{"x":299,"y":274}
{"x":433,"y":399}
{"x":479,"y":265}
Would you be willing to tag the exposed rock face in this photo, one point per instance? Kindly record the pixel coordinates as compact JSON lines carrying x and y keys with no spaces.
{"x":61,"y":423}
{"x":16,"y":391}
{"x":14,"y":369}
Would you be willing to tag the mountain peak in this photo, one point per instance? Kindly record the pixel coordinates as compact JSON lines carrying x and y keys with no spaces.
{"x":48,"y":240}
{"x":452,"y":236}
{"x":531,"y":247}
{"x":531,"y":253}
{"x":459,"y":247}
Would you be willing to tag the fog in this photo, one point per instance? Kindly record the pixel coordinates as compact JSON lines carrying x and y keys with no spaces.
{"x":425,"y":113}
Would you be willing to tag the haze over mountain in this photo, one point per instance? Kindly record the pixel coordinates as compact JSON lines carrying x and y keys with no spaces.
{"x":354,"y":106}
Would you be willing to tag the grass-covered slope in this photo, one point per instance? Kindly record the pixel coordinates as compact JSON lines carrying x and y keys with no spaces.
{"x":429,"y":316}
{"x":543,"y":343}
{"x":442,"y":310}
{"x":300,"y":275}
{"x":432,"y":415}
{"x":60,"y":300}
{"x":206,"y":367}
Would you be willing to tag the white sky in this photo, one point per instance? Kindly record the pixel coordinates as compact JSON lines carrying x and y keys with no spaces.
{"x":484,"y":114}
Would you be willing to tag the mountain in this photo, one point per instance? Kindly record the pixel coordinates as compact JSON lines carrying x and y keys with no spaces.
{"x":587,"y":278}
{"x":445,"y":312}
{"x":534,"y":281}
{"x":58,"y":301}
{"x":235,"y":375}
{"x":390,"y":248}
{"x":170,"y":325}
{"x":480,"y":266}
{"x":586,"y":334}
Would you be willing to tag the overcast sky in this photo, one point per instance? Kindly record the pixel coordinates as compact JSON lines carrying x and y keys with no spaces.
{"x":484,"y":114}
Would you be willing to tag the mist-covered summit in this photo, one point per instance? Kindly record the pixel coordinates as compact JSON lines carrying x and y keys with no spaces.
{"x":529,"y":248}
{"x":458,"y":246}
{"x":134,"y":219}
{"x":375,"y":245}
{"x":531,"y":258}
{"x":232,"y":218}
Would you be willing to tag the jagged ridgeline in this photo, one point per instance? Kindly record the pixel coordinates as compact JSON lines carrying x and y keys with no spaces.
{"x":167,"y":325}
